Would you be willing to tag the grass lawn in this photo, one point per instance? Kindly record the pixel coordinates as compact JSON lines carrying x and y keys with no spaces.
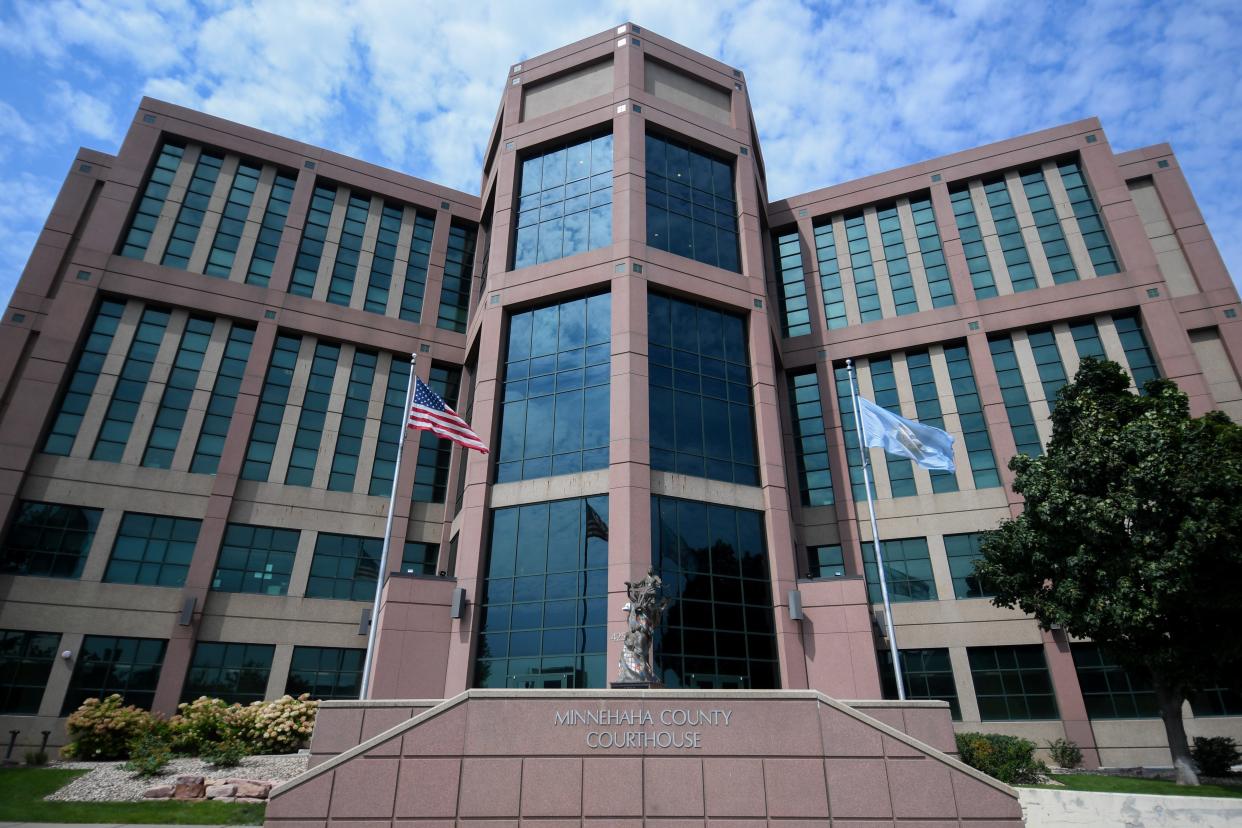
{"x":1131,"y":785}
{"x":22,"y":791}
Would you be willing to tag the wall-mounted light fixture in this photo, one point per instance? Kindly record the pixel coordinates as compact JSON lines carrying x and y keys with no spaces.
{"x":795,"y":605}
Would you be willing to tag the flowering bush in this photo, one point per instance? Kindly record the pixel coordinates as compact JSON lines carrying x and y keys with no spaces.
{"x":283,"y":725}
{"x":211,"y":728}
{"x":105,"y":728}
{"x":205,"y":722}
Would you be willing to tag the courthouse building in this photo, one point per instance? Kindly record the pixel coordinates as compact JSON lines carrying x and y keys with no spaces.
{"x":204,"y":366}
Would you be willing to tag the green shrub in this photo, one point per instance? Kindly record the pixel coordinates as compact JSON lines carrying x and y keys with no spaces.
{"x":1215,"y":755}
{"x":205,"y":722}
{"x":1065,"y":753}
{"x":148,"y":754}
{"x":1007,"y":758}
{"x":104,"y":729}
{"x":35,"y":758}
{"x":283,"y":725}
{"x":227,"y":753}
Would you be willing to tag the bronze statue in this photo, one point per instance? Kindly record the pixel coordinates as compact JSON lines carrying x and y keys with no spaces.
{"x":645,"y":608}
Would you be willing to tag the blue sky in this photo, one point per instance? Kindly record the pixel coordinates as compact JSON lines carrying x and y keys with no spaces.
{"x":840,"y":90}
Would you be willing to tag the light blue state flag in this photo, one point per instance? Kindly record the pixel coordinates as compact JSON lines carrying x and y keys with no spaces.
{"x":926,"y":445}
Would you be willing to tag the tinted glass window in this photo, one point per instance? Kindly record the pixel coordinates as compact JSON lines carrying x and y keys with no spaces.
{"x":702,"y":418}
{"x":545,"y":607}
{"x":556,"y":409}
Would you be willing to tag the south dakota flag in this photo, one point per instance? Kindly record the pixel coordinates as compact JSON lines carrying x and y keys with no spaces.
{"x":926,"y":445}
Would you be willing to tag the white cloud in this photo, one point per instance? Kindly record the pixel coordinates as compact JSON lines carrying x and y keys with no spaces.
{"x":14,"y":127}
{"x":148,"y":34}
{"x":84,"y":112}
{"x":27,"y":202}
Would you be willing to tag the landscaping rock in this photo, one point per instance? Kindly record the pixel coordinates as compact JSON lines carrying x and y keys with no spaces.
{"x":159,"y":792}
{"x":189,"y":787}
{"x":221,"y":791}
{"x":253,"y":789}
{"x":249,"y":799}
{"x":109,"y":781}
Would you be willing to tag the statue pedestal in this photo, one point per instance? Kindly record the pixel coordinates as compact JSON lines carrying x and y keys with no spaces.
{"x":635,"y":685}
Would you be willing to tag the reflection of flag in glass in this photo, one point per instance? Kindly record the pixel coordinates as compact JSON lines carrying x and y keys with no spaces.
{"x":595,"y":526}
{"x":926,"y":445}
{"x":430,"y":413}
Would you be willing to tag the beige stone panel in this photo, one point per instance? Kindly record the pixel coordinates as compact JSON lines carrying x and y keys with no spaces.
{"x":98,"y":555}
{"x":1112,"y":345}
{"x":59,"y":676}
{"x":172,"y":204}
{"x":1169,"y":254}
{"x":362,"y":275}
{"x":278,"y":676}
{"x":211,"y":219}
{"x":316,"y":622}
{"x":910,"y":236}
{"x":1069,"y":222}
{"x":564,"y":90}
{"x":370,"y":430}
{"x":991,"y":242}
{"x":905,"y":393}
{"x":962,"y":511}
{"x":140,"y":431}
{"x":960,"y":664}
{"x":115,"y":485}
{"x":336,"y":220}
{"x":878,"y":263}
{"x":977,"y":616}
{"x":1031,"y":384}
{"x":559,"y":487}
{"x":92,"y":420}
{"x":254,"y":223}
{"x":1222,"y":381}
{"x":203,"y":385}
{"x":940,"y":566}
{"x":848,"y":290}
{"x":332,"y":419}
{"x":1127,"y":740}
{"x":293,"y":410}
{"x":1039,"y":732}
{"x":878,"y":469}
{"x":304,"y":508}
{"x":1030,"y":235}
{"x":301,"y":559}
{"x":1067,"y":348}
{"x":686,"y":91}
{"x":952,"y":422}
{"x":402,"y":261}
{"x":710,"y":491}
{"x":54,"y":604}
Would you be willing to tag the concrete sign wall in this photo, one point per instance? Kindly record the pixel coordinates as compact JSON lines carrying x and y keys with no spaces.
{"x":615,"y":758}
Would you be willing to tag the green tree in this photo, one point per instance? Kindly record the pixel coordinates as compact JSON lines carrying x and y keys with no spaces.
{"x":1131,"y":536}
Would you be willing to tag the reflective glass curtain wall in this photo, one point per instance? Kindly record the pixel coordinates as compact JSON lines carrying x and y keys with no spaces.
{"x":555,"y":409}
{"x":702,"y":417}
{"x":719,"y":630}
{"x":691,"y":209}
{"x":544,"y":609}
{"x":565,"y":202}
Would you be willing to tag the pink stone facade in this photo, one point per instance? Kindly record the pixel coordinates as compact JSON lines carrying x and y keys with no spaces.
{"x":1170,"y":278}
{"x":761,"y":759}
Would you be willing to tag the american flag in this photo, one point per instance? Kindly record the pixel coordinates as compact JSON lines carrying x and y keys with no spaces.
{"x":595,"y":526}
{"x":429,"y":413}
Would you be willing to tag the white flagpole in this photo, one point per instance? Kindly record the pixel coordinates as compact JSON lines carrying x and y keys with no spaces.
{"x":382,"y":575}
{"x":875,"y":538}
